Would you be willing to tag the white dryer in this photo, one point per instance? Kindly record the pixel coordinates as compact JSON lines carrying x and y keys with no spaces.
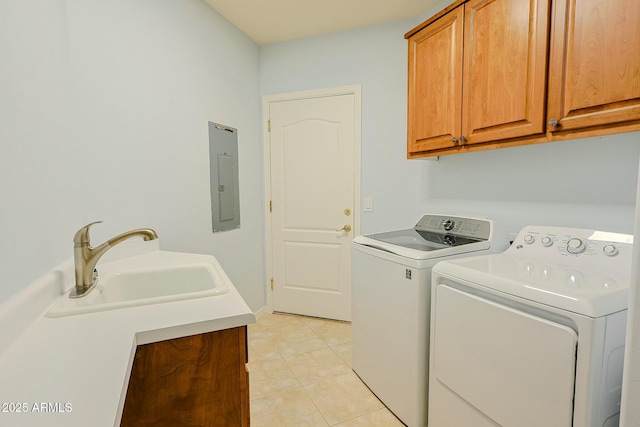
{"x":534,"y":336}
{"x":391,"y":286}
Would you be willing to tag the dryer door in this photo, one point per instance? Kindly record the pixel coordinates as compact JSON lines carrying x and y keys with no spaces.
{"x":512,"y":367}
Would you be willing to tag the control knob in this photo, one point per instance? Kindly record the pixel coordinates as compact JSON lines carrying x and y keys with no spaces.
{"x":610,"y":250}
{"x":449,"y":240}
{"x":448,"y":225}
{"x":529,"y":239}
{"x":576,"y":246}
{"x":546,"y":241}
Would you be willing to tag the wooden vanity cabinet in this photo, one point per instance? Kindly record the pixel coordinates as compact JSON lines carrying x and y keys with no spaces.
{"x":199,"y":380}
{"x":594,"y":70}
{"x":477,"y":74}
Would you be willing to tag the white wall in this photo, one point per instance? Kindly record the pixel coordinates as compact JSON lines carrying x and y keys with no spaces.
{"x":587,"y":183}
{"x":108,"y":106}
{"x":34,"y":136}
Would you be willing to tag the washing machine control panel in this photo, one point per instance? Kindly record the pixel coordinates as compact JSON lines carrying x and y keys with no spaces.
{"x":475,"y":228}
{"x":576,"y":247}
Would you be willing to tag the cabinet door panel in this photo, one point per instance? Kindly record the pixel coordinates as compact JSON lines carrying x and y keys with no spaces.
{"x":196,"y":380}
{"x":505,"y":69}
{"x":594,"y":77}
{"x":435,"y":81}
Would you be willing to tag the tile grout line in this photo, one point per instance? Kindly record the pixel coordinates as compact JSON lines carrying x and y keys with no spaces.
{"x":316,"y":406}
{"x":307,"y":326}
{"x":304,"y":386}
{"x":298,"y":378}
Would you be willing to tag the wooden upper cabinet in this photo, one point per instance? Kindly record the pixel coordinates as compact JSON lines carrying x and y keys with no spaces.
{"x":478,"y":74}
{"x":594,"y":70}
{"x":505,"y":69}
{"x":435,"y":84}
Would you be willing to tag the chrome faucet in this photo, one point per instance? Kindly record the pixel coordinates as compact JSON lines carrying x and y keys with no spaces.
{"x":85,"y":257}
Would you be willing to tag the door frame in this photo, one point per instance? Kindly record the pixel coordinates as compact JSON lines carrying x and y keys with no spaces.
{"x":357,"y":166}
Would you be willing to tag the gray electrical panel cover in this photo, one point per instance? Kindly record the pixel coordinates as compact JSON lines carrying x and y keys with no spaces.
{"x":225,"y":191}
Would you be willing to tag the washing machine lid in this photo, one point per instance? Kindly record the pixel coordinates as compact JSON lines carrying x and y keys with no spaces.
{"x":589,"y":293}
{"x":434,"y":236}
{"x":422,"y":240}
{"x":417,"y":250}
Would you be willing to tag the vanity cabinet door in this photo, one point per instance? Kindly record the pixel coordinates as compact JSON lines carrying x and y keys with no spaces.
{"x":594,"y":76}
{"x":197,"y":380}
{"x":435,"y":84}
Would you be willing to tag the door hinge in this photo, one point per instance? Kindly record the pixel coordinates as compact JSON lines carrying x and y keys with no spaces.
{"x":269,"y":125}
{"x":272,"y":283}
{"x":270,"y":206}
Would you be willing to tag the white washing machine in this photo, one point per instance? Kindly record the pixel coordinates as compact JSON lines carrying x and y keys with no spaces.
{"x":534,"y":336}
{"x":391,"y":286}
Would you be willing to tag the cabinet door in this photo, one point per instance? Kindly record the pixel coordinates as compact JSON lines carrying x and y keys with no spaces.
{"x":505,"y":66}
{"x":594,"y":77}
{"x":435,"y":84}
{"x":196,"y":380}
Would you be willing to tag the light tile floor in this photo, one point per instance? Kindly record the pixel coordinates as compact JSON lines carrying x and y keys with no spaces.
{"x":300,"y":375}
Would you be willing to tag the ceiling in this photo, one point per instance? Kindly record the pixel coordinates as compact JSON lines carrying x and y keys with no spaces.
{"x":271,"y":21}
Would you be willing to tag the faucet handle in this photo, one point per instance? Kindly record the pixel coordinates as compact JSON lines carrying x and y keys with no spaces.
{"x":82,"y":236}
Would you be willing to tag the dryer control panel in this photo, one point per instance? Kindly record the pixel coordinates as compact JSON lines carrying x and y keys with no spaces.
{"x":583,"y":271}
{"x":587,"y":250}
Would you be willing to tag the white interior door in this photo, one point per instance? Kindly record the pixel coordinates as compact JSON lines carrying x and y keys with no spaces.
{"x":313,"y":178}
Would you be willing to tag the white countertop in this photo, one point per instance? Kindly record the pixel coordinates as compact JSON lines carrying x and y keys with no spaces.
{"x":73,"y":371}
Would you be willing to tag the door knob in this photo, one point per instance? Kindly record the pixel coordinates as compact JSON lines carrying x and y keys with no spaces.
{"x":346,"y":228}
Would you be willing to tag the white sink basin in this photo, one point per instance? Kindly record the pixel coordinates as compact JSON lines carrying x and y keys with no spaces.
{"x":144,"y":280}
{"x":155,"y":283}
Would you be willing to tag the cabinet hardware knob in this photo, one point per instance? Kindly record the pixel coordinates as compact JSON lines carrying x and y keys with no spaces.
{"x":462,"y":139}
{"x":454,"y":140}
{"x":553,"y":123}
